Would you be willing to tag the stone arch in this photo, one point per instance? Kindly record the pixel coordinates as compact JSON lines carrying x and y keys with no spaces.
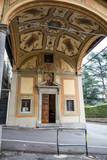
{"x":68,"y":4}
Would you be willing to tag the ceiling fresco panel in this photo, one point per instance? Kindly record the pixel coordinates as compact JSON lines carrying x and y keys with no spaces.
{"x":68,"y":45}
{"x":34,"y":13}
{"x":50,"y":43}
{"x":59,"y":12}
{"x":31,"y":41}
{"x":28,"y":26}
{"x":65,"y":67}
{"x":84,"y":22}
{"x":54,"y":23}
{"x":62,"y":66}
{"x":78,"y":34}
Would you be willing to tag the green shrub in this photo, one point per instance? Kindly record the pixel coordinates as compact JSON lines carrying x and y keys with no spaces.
{"x":99,"y":111}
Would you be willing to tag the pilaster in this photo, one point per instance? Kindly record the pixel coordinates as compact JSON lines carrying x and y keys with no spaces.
{"x":12,"y":103}
{"x":81,"y":100}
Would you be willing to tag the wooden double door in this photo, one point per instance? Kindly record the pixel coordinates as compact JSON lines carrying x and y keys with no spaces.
{"x":48,"y":108}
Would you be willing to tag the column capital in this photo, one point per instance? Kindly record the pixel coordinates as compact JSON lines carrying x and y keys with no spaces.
{"x":4,"y":29}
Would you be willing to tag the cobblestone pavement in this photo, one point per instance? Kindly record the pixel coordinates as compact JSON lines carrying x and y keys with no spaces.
{"x":33,"y":156}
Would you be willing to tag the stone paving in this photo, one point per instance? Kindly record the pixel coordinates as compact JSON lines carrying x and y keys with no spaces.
{"x":35,"y":156}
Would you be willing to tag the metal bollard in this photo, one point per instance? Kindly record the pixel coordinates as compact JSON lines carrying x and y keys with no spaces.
{"x":57,"y":142}
{"x":86,"y":142}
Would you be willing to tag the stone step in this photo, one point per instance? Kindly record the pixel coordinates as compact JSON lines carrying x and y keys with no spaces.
{"x":49,"y":125}
{"x":62,"y":125}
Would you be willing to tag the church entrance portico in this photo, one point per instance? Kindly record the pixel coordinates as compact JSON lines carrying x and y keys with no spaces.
{"x":46,"y":42}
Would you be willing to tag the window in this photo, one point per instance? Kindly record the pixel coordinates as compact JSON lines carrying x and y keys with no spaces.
{"x":70,"y":105}
{"x":25,"y":105}
{"x":48,"y":58}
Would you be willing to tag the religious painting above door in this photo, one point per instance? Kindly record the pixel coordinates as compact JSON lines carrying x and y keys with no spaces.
{"x":49,"y":78}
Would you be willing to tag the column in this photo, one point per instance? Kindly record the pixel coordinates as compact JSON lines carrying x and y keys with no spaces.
{"x":57,"y":106}
{"x":39,"y":106}
{"x":81,"y":99}
{"x":3,"y":32}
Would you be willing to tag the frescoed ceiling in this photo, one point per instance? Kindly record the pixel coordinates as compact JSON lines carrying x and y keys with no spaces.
{"x":48,"y":30}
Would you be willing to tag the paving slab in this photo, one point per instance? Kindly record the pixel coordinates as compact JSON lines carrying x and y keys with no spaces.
{"x":32,"y":156}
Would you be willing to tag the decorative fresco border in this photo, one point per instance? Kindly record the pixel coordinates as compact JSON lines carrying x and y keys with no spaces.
{"x":19,"y":96}
{"x":12,"y":34}
{"x":63,"y":97}
{"x":13,"y":1}
{"x":96,"y":5}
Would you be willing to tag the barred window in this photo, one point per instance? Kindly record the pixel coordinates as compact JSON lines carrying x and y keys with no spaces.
{"x":25,"y":105}
{"x":70,"y":105}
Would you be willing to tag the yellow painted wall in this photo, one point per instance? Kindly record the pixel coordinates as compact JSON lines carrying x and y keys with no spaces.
{"x":26,"y":85}
{"x":69,"y":87}
{"x":27,"y":89}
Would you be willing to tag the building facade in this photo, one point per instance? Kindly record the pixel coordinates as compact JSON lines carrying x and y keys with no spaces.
{"x":49,"y":40}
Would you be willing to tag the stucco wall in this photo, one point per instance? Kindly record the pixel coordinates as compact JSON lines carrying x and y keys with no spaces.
{"x":24,"y":86}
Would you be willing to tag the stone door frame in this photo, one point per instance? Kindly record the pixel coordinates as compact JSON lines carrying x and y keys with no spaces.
{"x":43,"y":89}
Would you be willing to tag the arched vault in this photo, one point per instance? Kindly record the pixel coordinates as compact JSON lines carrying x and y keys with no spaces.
{"x":48,"y":27}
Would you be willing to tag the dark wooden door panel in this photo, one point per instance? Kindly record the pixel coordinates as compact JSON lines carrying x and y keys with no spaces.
{"x":45,"y":108}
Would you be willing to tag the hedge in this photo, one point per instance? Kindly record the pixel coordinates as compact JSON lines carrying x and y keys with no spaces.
{"x":99,"y":111}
